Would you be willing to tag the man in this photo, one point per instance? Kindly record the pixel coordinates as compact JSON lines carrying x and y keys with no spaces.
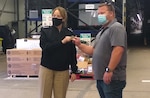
{"x":109,"y":53}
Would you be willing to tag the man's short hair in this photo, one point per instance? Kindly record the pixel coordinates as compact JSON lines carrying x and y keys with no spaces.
{"x":109,"y":6}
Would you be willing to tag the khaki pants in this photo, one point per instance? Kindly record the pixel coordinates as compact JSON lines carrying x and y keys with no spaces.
{"x":56,"y":81}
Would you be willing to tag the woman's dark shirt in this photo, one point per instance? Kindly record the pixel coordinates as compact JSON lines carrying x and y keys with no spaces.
{"x":56,"y":55}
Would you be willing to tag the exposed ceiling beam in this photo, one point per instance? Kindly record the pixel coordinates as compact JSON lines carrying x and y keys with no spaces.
{"x":1,"y":11}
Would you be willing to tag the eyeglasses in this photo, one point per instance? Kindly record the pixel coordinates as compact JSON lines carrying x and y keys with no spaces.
{"x":108,"y":3}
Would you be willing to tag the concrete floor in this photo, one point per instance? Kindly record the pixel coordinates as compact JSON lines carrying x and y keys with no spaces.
{"x":137,"y":87}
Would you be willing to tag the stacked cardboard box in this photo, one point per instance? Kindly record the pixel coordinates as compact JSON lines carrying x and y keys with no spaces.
{"x":23,"y":62}
{"x":84,"y":62}
{"x":1,"y":48}
{"x":26,"y":43}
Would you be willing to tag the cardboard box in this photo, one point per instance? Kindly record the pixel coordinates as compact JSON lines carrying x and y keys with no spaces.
{"x":22,"y":69}
{"x":16,"y":52}
{"x":23,"y":66}
{"x":34,"y":60}
{"x":19,"y":59}
{"x":35,"y":52}
{"x":22,"y":72}
{"x":82,"y":64}
{"x":23,"y":61}
{"x":25,"y":43}
{"x":90,"y":69}
{"x":23,"y":55}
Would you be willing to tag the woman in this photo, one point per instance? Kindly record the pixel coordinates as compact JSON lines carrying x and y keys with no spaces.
{"x":58,"y":52}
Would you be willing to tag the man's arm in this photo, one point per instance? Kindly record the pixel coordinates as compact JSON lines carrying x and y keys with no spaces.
{"x":115,"y":57}
{"x":114,"y":60}
{"x":86,"y":49}
{"x":83,"y":47}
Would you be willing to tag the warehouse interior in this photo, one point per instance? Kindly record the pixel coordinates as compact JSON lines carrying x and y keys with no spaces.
{"x":22,"y":19}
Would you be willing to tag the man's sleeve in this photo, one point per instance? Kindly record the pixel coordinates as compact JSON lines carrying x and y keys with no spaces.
{"x":117,"y":36}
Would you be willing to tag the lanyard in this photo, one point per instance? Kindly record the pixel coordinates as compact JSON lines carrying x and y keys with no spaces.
{"x":101,"y":31}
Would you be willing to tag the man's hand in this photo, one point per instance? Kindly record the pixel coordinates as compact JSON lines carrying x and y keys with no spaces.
{"x":73,"y":77}
{"x":107,"y":77}
{"x":76,"y":41}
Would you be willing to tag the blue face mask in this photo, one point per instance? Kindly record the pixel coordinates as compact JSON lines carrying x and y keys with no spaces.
{"x":102,"y":19}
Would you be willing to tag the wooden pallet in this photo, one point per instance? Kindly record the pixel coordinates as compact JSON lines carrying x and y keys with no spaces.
{"x":84,"y":76}
{"x":23,"y":76}
{"x":1,"y":53}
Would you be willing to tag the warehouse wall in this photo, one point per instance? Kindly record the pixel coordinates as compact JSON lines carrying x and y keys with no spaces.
{"x":21,"y":22}
{"x":7,"y":13}
{"x":21,"y":9}
{"x":10,"y":16}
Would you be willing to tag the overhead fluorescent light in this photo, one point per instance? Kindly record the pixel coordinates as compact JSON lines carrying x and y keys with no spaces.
{"x":139,"y":17}
{"x":113,"y":0}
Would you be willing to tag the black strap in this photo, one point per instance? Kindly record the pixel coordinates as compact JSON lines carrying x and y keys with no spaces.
{"x":102,"y":30}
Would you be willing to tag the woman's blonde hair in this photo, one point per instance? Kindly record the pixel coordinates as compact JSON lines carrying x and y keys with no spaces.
{"x":63,"y":13}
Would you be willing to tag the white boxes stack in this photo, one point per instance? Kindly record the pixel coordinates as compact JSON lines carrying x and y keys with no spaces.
{"x":27,"y":43}
{"x":23,"y":61}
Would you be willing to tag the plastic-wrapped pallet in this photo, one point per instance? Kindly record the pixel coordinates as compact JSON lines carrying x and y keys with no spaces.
{"x":23,"y":62}
{"x":27,"y":43}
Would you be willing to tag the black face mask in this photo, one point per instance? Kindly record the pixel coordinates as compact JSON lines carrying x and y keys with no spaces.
{"x":56,"y":21}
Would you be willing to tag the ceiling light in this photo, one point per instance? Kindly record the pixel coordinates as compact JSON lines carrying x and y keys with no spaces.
{"x":113,"y":0}
{"x":139,"y":17}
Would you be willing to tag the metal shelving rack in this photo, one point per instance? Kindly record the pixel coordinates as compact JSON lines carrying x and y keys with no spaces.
{"x":68,"y":5}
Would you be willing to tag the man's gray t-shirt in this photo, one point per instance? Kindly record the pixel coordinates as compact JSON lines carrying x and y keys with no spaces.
{"x":114,"y":35}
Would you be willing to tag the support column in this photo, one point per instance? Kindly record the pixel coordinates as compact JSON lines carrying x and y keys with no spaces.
{"x":26,"y":20}
{"x":124,"y":13}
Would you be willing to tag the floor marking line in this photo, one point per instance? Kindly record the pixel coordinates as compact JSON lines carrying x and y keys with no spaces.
{"x":145,"y":81}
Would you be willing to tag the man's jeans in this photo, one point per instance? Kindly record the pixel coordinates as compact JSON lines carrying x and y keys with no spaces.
{"x":113,"y":90}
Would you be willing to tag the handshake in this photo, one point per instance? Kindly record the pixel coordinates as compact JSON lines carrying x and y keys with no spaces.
{"x":74,"y":39}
